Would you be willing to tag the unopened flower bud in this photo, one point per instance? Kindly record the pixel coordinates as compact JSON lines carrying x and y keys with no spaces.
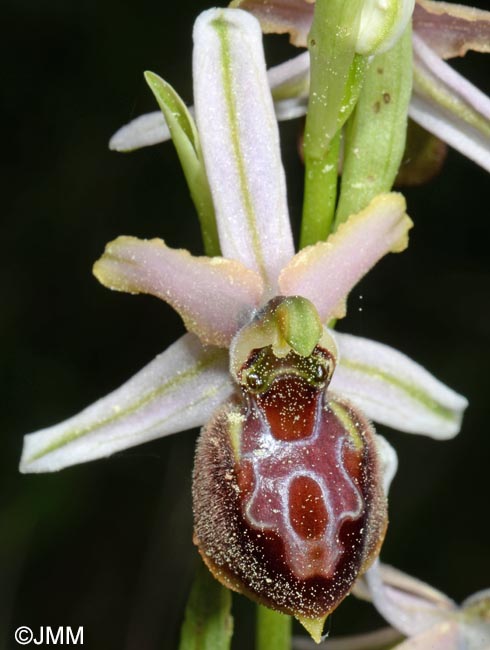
{"x":382,"y":23}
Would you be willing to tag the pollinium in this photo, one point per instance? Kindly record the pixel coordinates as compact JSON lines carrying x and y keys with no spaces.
{"x":288,"y":501}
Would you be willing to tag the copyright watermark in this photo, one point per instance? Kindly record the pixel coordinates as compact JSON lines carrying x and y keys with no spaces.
{"x":47,"y":635}
{"x":24,"y":635}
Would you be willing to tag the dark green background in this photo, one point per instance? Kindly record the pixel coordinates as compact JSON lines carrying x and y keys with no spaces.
{"x":108,"y":545}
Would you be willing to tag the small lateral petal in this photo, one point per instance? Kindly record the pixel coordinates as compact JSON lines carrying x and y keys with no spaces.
{"x":241,"y":148}
{"x":214,"y":296}
{"x":393,"y":390}
{"x":347,"y":255}
{"x":178,"y":390}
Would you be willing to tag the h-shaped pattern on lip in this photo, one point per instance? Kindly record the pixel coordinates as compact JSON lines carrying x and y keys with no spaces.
{"x":304,"y":489}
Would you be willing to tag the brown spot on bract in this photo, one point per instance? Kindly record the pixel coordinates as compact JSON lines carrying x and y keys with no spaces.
{"x":380,"y":70}
{"x":376,"y":107}
{"x":386,"y":98}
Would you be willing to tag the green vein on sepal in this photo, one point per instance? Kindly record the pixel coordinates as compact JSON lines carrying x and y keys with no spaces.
{"x":417,"y":394}
{"x":171,"y":384}
{"x":221,"y":27}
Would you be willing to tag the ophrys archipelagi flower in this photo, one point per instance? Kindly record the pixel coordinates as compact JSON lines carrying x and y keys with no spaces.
{"x":425,"y":615}
{"x":288,"y":468}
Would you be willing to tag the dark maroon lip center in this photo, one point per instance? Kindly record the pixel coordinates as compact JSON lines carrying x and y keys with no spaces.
{"x":290,"y":407}
{"x":301,"y":554}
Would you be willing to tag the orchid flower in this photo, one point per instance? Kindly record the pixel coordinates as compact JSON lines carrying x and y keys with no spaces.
{"x":429,"y":618}
{"x":443,"y":101}
{"x":418,"y":611}
{"x":270,"y":308}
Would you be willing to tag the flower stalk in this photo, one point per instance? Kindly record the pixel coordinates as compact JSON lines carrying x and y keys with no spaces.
{"x":335,"y":79}
{"x":273,"y":630}
{"x":208,"y":624}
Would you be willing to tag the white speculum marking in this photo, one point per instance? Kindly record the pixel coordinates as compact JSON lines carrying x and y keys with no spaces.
{"x":276,"y":464}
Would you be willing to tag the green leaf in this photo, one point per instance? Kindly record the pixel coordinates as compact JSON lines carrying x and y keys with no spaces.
{"x":175,"y":111}
{"x":376,"y":132}
{"x":208,"y":624}
{"x":186,"y":140}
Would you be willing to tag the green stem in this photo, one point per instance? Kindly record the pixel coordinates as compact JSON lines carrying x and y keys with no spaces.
{"x":336,"y":74}
{"x":320,"y":195}
{"x":273,"y":630}
{"x":208,"y":624}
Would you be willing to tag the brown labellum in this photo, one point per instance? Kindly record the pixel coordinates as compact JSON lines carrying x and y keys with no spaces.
{"x":288,"y":501}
